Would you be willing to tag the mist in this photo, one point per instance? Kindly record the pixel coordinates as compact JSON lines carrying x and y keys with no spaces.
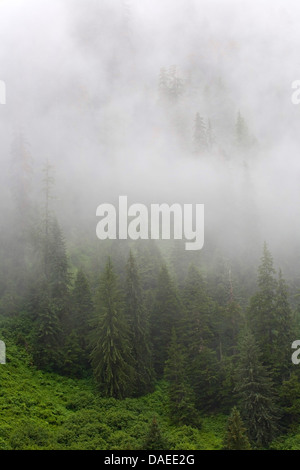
{"x":82,"y":81}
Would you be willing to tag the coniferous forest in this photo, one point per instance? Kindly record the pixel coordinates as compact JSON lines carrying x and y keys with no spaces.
{"x":141,"y":344}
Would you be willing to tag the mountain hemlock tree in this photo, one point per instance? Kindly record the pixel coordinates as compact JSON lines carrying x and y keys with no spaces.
{"x":257,"y":395}
{"x":236,"y":433}
{"x":111,"y":356}
{"x":139,"y":329}
{"x":181,"y":398}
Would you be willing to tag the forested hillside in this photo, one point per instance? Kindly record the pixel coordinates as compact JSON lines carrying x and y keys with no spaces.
{"x":136,"y":342}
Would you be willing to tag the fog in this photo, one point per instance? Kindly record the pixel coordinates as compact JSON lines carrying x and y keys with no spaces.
{"x":82,"y":86}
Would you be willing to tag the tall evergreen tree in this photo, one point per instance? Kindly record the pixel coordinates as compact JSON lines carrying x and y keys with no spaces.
{"x":46,"y":332}
{"x":199,"y":308}
{"x":198,"y":333}
{"x":236,"y":434}
{"x":154,"y":440}
{"x":110,"y":357}
{"x":139,"y":329}
{"x":165,"y":315}
{"x":284,"y":328}
{"x":181,"y":398}
{"x":262,"y":310}
{"x":82,"y":308}
{"x":82,"y":304}
{"x":257,"y":394}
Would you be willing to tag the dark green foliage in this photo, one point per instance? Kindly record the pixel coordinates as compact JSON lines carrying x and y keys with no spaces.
{"x":284,"y":332}
{"x":138,"y":323}
{"x":154,"y":439}
{"x":290,"y":401}
{"x":205,"y":380}
{"x":166,"y":314}
{"x":110,"y":356}
{"x":181,"y":397}
{"x":257,"y":394}
{"x":271,"y":319}
{"x":57,"y":267}
{"x":47,"y":332}
{"x":197,"y":327}
{"x":82,"y":310}
{"x":262,"y":308}
{"x":230,"y":323}
{"x":236,"y":434}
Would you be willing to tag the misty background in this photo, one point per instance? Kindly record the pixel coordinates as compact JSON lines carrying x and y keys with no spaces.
{"x":82,"y":81}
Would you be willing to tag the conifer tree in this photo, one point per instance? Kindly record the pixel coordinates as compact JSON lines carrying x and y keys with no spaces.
{"x":198,"y":312}
{"x":154,"y":439}
{"x":58,"y":274}
{"x":82,"y":312}
{"x":139,"y":329}
{"x":262,"y":310}
{"x":257,"y":395}
{"x":198,"y":333}
{"x":166,"y":314}
{"x":47,"y":332}
{"x":82,"y":304}
{"x":181,"y":398}
{"x":231,"y":322}
{"x":284,"y":328}
{"x":110,"y":355}
{"x":236,"y":435}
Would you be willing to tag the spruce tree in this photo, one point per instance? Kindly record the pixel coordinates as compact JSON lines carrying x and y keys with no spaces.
{"x":198,"y":335}
{"x":139,"y":329}
{"x":82,"y":304}
{"x":181,"y":398}
{"x":166,"y":314}
{"x":110,"y":356}
{"x":82,"y":309}
{"x":256,"y":393}
{"x":262,"y":310}
{"x":236,"y":434}
{"x":197,"y":327}
{"x":47,"y":332}
{"x":154,"y":439}
{"x":284,"y":327}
